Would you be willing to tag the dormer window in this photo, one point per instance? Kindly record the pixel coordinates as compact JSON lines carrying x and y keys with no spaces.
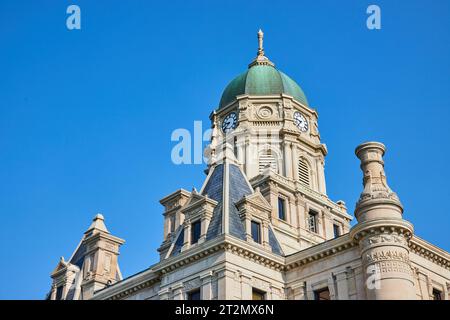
{"x":281,"y":209}
{"x":256,"y":231}
{"x":195,"y":231}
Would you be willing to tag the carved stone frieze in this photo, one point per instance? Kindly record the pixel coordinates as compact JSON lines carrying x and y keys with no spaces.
{"x":385,"y":239}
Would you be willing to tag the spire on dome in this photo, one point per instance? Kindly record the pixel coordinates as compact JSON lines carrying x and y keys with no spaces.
{"x":261,"y":59}
{"x":260,"y":43}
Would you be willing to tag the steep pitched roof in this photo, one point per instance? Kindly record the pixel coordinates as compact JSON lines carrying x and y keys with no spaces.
{"x":227,"y":185}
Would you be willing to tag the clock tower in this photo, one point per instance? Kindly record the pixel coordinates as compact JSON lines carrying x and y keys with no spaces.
{"x":265,"y":115}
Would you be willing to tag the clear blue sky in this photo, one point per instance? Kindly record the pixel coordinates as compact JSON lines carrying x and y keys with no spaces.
{"x":86,"y":116}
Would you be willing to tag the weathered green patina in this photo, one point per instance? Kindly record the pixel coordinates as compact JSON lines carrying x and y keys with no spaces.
{"x":262,"y":80}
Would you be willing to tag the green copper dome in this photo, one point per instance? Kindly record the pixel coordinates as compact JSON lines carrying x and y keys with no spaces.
{"x":262,"y":80}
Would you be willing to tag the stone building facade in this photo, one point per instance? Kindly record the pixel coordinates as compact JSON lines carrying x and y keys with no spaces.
{"x":262,"y":225}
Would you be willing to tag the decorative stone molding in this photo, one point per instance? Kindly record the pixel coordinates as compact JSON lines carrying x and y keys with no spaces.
{"x":319,"y":252}
{"x":192,"y":284}
{"x":133,"y":290}
{"x":384,"y":238}
{"x":429,"y":252}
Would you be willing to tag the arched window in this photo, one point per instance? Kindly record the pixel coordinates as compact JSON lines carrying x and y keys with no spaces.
{"x":303,"y":171}
{"x":268,"y":159}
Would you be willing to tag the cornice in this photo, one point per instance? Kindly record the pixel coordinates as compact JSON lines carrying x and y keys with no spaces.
{"x":319,"y":252}
{"x":430,"y":252}
{"x":399,"y":226}
{"x":128,"y":286}
{"x":293,"y":187}
{"x":174,"y":195}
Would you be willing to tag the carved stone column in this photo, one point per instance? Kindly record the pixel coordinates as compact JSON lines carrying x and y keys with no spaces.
{"x":381,"y":231}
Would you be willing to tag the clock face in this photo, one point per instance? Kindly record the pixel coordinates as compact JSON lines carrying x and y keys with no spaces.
{"x":300,"y":121}
{"x":229,"y":123}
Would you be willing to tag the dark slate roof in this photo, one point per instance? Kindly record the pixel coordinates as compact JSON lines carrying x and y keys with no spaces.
{"x":273,"y":242}
{"x":238,"y":189}
{"x":214,"y":190}
{"x":78,"y":257}
{"x":178,"y":243}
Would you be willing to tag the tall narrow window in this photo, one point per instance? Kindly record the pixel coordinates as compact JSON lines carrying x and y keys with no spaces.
{"x":194,"y":295}
{"x":282,"y":209}
{"x":336,"y":230}
{"x":322,"y":294}
{"x":267,"y":159}
{"x":312,"y":221}
{"x":258,"y":294}
{"x":195,"y":231}
{"x":256,"y":232}
{"x":59,"y":291}
{"x":437,"y":295}
{"x":303,"y":172}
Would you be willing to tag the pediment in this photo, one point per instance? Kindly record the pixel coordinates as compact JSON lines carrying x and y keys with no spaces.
{"x":197,"y":201}
{"x":62,"y":265}
{"x":257,"y":201}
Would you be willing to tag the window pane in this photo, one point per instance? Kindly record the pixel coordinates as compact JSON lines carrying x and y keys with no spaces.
{"x":256,"y":231}
{"x":59,"y":291}
{"x":195,"y":231}
{"x":312,"y":221}
{"x":281,"y":209}
{"x":337,"y":231}
{"x":258,"y":295}
{"x":437,"y":294}
{"x":194,"y":295}
{"x":322,"y":294}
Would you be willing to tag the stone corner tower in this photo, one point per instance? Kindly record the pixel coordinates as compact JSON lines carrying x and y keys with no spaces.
{"x":381,"y":231}
{"x":92,"y":267}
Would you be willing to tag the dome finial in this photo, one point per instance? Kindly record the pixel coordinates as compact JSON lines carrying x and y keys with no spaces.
{"x":261,"y":59}
{"x":260,"y":43}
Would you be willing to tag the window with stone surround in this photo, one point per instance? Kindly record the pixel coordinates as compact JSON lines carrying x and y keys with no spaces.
{"x":194,"y":295}
{"x":195,"y":231}
{"x":256,"y":231}
{"x":281,"y":208}
{"x":312,"y":221}
{"x":258,"y":294}
{"x":322,"y":294}
{"x":336,"y":230}
{"x":437,"y":294}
